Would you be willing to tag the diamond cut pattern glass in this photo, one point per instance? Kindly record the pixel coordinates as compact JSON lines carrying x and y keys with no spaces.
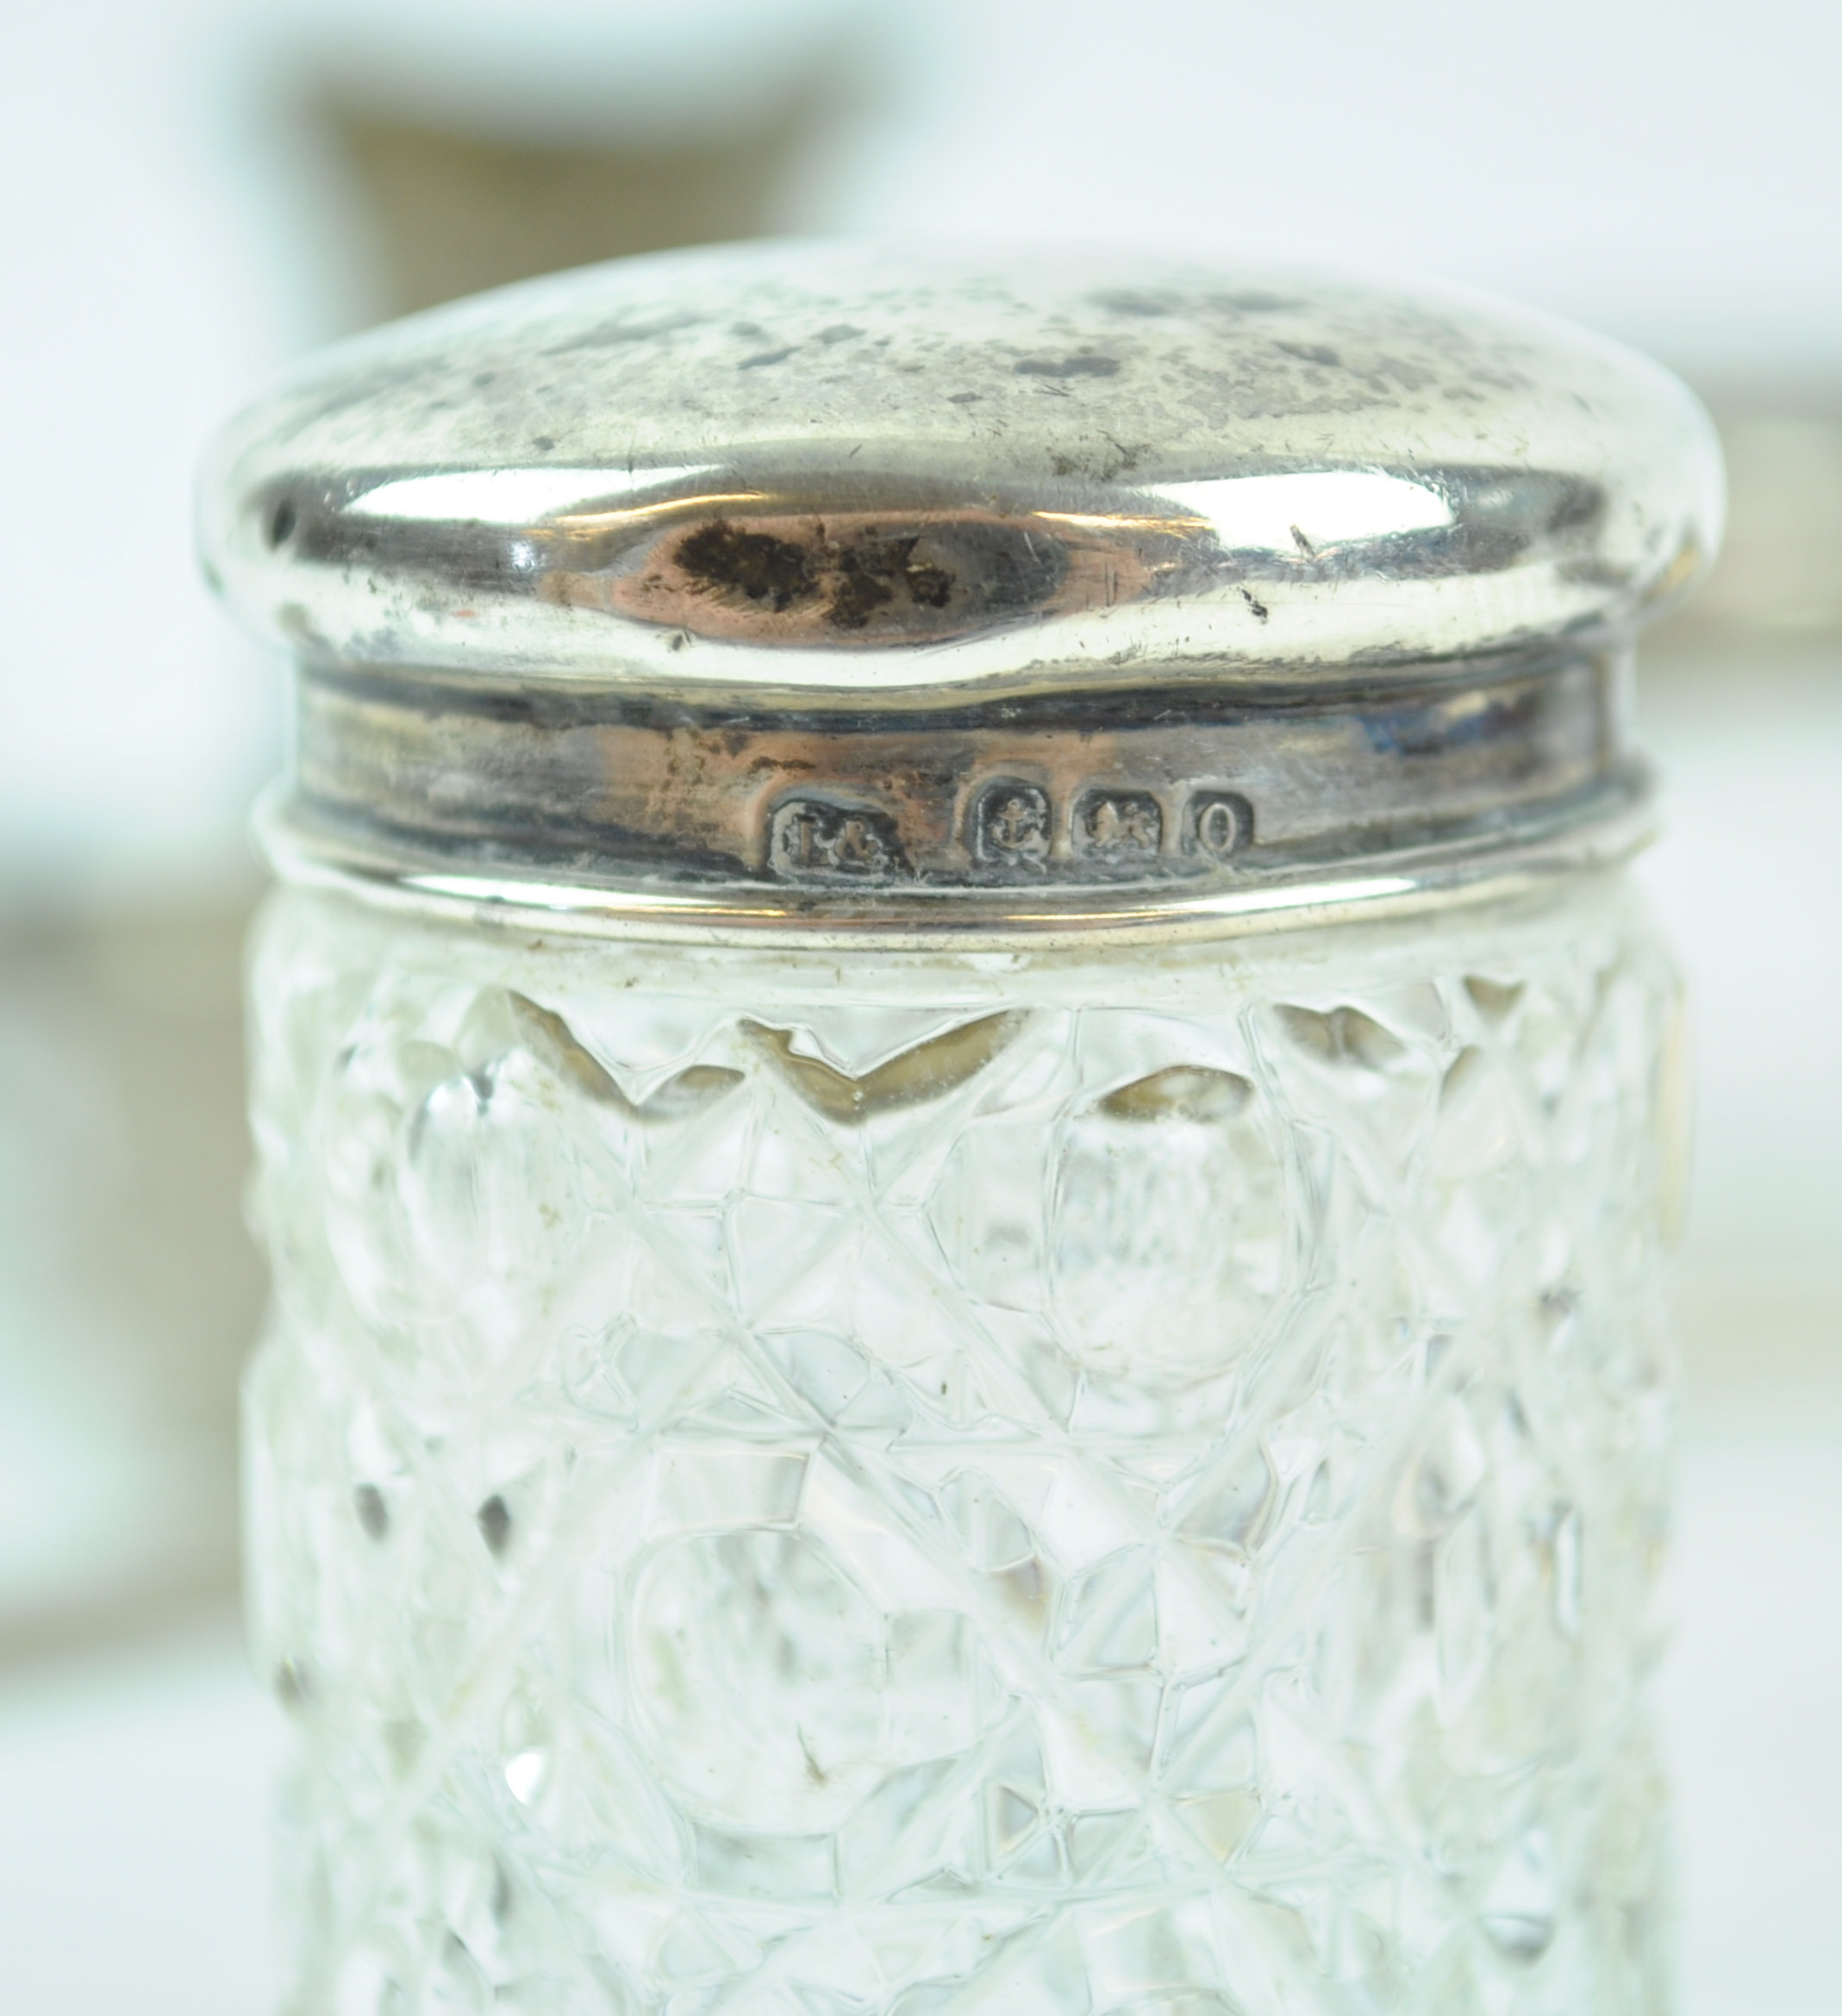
{"x":1127,"y":1480}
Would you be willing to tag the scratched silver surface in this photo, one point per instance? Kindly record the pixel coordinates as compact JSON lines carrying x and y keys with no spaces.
{"x":863,"y":586}
{"x":876,"y":470}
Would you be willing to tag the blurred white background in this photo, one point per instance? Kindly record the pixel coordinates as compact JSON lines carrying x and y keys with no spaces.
{"x":198,"y":189}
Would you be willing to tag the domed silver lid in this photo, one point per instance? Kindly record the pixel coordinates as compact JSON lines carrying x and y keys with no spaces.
{"x":817,"y":578}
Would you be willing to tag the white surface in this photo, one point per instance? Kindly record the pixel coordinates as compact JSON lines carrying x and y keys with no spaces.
{"x":134,"y":1866}
{"x":132,"y":1791}
{"x":1751,"y":1720}
{"x":1748,"y":740}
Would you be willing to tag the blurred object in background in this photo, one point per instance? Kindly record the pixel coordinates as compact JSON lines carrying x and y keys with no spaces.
{"x":411,"y":153}
{"x":452,"y":210}
{"x":129,"y":1291}
{"x":1780,"y":572}
{"x":1740,"y":698}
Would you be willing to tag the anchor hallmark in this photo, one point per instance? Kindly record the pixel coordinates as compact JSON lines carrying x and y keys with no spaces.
{"x":1011,"y":827}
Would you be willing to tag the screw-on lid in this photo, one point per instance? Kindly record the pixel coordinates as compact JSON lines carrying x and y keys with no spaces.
{"x":865,"y":571}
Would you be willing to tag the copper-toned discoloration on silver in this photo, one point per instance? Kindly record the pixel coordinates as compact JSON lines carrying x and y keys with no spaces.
{"x":777,"y":578}
{"x":882,"y":803}
{"x":704,"y":470}
{"x":839,"y":576}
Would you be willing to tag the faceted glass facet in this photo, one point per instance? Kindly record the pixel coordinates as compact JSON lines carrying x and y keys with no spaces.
{"x":1067,"y":1484}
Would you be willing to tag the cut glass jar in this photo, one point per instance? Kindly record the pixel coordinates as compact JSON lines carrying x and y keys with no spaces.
{"x":965,"y":1132}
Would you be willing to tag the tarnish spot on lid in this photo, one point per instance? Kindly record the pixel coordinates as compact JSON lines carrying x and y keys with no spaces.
{"x":1083,"y":366}
{"x":849,"y":577}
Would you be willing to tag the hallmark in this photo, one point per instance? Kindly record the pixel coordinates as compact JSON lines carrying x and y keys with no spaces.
{"x":1217,"y":824}
{"x":1019,"y":832}
{"x":1010,"y":826}
{"x":811,"y":839}
{"x":1122,"y":828}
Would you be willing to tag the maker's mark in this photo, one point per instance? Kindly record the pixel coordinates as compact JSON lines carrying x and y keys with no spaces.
{"x":813,"y":840}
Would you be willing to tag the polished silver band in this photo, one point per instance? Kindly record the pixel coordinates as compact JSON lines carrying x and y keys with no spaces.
{"x":1192,"y":813}
{"x":1184,"y":787}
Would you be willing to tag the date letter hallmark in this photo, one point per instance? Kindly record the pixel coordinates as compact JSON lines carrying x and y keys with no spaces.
{"x":810,"y":840}
{"x":1011,"y":827}
{"x":1216,"y":824}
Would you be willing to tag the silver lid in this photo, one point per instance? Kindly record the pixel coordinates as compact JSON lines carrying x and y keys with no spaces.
{"x":808,"y":579}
